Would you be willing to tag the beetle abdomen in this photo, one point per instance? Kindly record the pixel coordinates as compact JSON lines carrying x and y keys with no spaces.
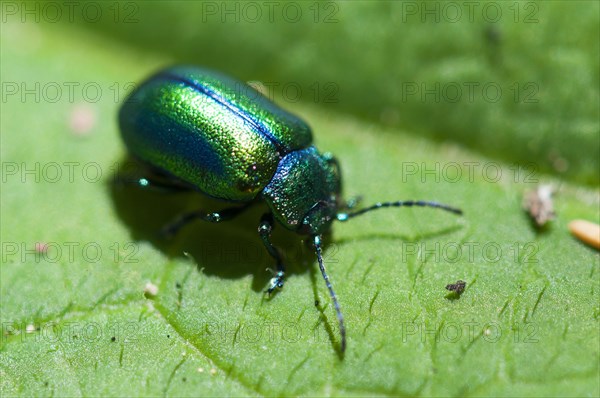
{"x":194,"y":125}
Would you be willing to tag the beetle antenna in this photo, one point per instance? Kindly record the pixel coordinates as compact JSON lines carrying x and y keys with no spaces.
{"x":400,"y":203}
{"x":338,"y":311}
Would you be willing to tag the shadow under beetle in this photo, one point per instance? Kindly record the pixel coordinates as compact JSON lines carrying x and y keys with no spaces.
{"x":205,"y":131}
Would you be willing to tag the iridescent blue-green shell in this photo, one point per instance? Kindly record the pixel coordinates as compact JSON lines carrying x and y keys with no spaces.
{"x":304,"y":192}
{"x":214,"y":132}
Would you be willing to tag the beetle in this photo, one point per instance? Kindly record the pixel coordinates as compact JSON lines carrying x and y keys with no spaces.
{"x":211,"y":133}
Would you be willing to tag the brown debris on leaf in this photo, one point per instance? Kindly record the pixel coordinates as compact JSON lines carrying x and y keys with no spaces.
{"x":538,"y":204}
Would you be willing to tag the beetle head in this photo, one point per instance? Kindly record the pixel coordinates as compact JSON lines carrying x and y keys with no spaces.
{"x":304,"y":191}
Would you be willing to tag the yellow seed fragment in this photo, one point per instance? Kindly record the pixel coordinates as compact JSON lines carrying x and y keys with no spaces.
{"x":586,"y":231}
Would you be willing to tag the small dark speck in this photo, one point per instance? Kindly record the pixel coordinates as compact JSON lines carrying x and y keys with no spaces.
{"x":168,"y":336}
{"x":46,"y":384}
{"x":317,"y":303}
{"x":178,"y":285}
{"x":184,"y":379}
{"x":457,"y":287}
{"x":493,"y":35}
{"x":74,"y":336}
{"x":113,"y":339}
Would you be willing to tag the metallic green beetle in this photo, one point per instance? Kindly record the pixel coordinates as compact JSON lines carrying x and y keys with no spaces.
{"x":208,"y":132}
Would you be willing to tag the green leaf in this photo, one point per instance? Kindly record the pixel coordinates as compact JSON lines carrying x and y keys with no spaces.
{"x":76,"y":320}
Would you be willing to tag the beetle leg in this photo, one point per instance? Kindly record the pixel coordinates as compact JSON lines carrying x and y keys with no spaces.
{"x":352,"y":202}
{"x":226,"y":214}
{"x":264,"y":229}
{"x":155,"y":182}
{"x":329,"y":158}
{"x":145,"y":176}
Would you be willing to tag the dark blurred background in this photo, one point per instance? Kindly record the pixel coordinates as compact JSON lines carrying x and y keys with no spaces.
{"x":514,"y":80}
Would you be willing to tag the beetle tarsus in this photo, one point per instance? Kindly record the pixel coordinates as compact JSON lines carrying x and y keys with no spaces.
{"x":276,"y":282}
